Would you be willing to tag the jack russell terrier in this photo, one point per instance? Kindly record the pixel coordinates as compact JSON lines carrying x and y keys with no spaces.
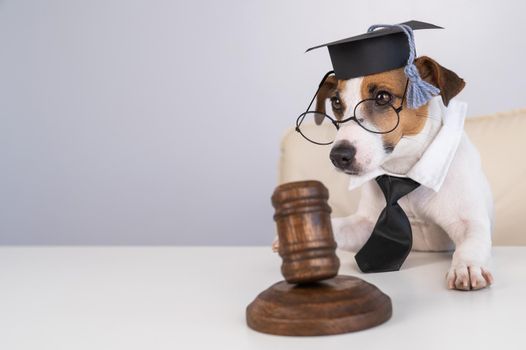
{"x":453,"y":207}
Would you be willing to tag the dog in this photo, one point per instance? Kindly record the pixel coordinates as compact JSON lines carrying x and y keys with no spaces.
{"x":458,"y":217}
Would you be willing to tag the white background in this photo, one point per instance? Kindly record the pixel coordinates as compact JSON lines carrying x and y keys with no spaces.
{"x":158,"y":122}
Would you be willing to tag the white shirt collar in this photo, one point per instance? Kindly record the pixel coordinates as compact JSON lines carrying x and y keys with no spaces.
{"x":432,"y":167}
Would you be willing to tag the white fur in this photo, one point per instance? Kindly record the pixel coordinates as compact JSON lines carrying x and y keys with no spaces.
{"x":369,"y":147}
{"x":459,"y":216}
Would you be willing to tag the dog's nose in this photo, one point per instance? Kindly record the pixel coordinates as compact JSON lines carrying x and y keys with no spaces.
{"x":342,"y":155}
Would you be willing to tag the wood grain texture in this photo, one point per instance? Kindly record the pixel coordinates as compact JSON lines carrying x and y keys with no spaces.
{"x":306,"y":241}
{"x":338,"y":305}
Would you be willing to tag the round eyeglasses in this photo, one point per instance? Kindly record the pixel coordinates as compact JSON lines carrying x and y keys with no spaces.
{"x":378,"y":116}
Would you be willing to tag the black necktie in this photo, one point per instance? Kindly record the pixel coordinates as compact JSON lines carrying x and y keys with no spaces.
{"x":391,"y":240}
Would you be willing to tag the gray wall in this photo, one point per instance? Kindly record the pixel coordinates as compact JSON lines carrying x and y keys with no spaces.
{"x":158,"y":122}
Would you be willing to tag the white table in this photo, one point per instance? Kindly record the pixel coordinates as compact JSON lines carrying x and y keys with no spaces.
{"x":195,"y":297}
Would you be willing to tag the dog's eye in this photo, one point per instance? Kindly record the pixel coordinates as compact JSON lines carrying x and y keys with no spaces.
{"x":383,"y":98}
{"x":336,"y":103}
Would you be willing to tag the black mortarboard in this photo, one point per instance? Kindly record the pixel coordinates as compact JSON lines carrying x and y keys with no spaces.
{"x":377,"y":51}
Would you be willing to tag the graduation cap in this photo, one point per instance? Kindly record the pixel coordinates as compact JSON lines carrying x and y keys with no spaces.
{"x":382,"y":48}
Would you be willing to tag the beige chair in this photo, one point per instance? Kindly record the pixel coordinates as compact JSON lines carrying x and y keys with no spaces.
{"x":500,"y":139}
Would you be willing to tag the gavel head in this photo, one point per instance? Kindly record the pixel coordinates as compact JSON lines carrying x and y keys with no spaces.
{"x":306,"y":241}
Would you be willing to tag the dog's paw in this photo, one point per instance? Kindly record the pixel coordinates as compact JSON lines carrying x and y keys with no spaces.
{"x":351,"y":233}
{"x":468,"y":277}
{"x":275,"y":245}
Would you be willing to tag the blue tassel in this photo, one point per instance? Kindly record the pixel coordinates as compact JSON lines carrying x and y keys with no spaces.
{"x":419,"y":92}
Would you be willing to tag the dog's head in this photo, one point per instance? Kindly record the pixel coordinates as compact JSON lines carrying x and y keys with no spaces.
{"x":356,"y":150}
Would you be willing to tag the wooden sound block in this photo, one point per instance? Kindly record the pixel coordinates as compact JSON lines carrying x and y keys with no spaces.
{"x":338,"y":305}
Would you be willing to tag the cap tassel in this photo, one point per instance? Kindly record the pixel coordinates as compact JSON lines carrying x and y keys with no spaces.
{"x":419,"y":91}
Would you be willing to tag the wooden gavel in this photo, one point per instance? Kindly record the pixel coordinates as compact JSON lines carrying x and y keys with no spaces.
{"x":306,"y":241}
{"x":313,"y":299}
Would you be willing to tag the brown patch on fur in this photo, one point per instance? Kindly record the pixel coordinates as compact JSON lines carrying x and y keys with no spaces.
{"x":326,"y":89}
{"x":329,"y":88}
{"x":342,"y":84}
{"x":412,"y":121}
{"x":449,"y":83}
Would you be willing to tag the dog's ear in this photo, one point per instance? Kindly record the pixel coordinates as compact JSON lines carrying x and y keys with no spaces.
{"x":323,"y":93}
{"x":449,"y":83}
